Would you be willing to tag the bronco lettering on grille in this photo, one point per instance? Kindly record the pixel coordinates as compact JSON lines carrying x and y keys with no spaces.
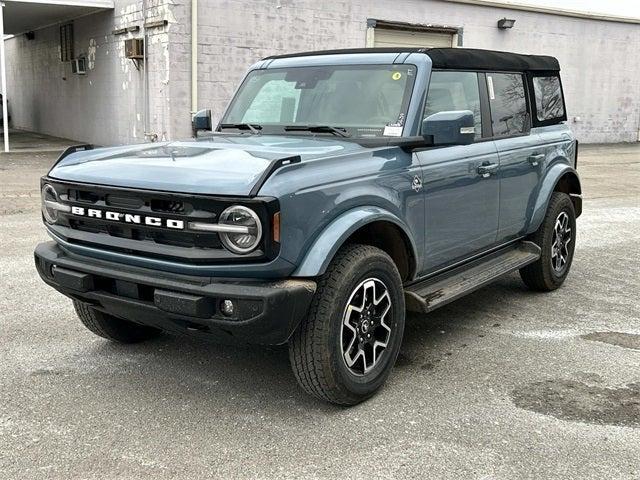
{"x":136,"y":219}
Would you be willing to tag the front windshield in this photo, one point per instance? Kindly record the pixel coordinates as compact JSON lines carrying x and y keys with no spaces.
{"x":361,"y":100}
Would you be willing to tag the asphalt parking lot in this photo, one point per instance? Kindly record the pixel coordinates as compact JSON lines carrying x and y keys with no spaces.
{"x":503,"y":384}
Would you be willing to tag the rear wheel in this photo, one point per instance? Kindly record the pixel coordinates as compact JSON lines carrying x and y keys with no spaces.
{"x":557,"y":238}
{"x":112,"y":328}
{"x":346,"y":348}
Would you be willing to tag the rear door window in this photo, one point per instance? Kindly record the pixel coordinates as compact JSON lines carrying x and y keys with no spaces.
{"x":508,"y":104}
{"x":548,"y":95}
{"x":450,"y":91}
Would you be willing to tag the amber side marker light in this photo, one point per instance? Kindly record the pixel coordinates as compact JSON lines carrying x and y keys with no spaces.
{"x":275,"y":227}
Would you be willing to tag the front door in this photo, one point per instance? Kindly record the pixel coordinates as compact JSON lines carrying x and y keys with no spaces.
{"x":460,"y":183}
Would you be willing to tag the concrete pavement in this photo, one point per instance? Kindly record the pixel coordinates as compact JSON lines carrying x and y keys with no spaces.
{"x":503,"y":384}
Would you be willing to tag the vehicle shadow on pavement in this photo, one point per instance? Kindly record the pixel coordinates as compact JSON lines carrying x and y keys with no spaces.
{"x":469,"y":322}
{"x":211,"y":373}
{"x":208,"y":375}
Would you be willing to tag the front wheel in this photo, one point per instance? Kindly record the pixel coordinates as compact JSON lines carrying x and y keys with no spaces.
{"x":556,"y":237}
{"x":112,"y":328}
{"x":346,"y":347}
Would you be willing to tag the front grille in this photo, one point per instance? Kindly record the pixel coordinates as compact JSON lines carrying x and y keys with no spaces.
{"x":182,"y":244}
{"x":145,"y":204}
{"x":162,"y":237}
{"x":167,"y":206}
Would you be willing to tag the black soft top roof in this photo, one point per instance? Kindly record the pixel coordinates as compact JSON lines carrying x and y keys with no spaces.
{"x":456,"y":58}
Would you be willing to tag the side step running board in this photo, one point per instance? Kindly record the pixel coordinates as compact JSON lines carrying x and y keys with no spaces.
{"x":437,"y":291}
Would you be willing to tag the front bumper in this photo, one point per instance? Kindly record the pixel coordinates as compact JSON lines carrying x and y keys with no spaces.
{"x":266,"y":312}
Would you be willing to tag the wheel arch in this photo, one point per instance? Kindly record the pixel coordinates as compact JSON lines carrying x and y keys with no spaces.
{"x":367,"y":225}
{"x":560,"y":178}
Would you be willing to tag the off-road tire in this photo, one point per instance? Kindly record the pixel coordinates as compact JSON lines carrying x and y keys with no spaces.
{"x":540,"y":275}
{"x":315,"y":349}
{"x":112,"y":328}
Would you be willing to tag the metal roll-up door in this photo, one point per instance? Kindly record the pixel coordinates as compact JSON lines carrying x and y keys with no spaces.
{"x":386,"y":37}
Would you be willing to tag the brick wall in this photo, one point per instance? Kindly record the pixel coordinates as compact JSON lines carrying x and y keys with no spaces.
{"x":600,"y":75}
{"x":105,"y":106}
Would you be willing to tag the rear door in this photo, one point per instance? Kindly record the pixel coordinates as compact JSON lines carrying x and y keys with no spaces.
{"x":520,"y":153}
{"x":461,"y":202}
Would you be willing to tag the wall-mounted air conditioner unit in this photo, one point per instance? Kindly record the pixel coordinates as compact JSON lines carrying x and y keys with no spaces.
{"x":134,"y":48}
{"x":79,"y":66}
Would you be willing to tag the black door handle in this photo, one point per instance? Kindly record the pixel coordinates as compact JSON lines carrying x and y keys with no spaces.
{"x":487,"y":169}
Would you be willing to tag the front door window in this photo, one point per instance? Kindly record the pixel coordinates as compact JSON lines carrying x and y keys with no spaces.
{"x":449,"y":91}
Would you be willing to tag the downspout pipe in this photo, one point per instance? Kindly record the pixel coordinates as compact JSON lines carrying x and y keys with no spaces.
{"x":3,"y":74}
{"x":194,"y":56}
{"x":148,"y":135}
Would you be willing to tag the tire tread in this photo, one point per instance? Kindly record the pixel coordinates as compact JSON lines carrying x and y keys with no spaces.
{"x":537,"y":275}
{"x":308,"y":356}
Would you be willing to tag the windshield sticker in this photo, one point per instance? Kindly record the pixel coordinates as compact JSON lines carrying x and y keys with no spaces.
{"x":392,"y":131}
{"x":369,"y":132}
{"x":396,"y":76}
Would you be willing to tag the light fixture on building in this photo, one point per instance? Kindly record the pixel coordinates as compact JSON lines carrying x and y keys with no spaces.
{"x":505,"y":23}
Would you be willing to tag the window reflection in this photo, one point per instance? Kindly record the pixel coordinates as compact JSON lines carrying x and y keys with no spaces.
{"x":548,"y":95}
{"x":508,"y":103}
{"x":450,"y":91}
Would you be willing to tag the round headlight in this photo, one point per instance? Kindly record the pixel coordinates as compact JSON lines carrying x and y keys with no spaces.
{"x":248,"y":235}
{"x":49,"y":194}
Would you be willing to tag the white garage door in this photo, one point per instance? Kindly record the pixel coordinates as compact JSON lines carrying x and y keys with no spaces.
{"x":385,"y":37}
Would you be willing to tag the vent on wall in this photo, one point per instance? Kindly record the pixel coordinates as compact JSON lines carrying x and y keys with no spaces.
{"x":66,"y":42}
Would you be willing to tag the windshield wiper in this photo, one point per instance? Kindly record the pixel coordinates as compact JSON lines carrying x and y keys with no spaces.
{"x":252,"y":127}
{"x":341,"y":132}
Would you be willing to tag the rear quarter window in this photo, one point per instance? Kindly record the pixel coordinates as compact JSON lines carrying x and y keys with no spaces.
{"x":548,"y":97}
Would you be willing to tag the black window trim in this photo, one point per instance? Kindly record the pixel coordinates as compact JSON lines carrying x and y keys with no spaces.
{"x":485,"y":111}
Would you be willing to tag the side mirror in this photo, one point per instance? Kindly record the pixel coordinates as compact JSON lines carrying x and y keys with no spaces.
{"x":450,"y":128}
{"x":201,"y":121}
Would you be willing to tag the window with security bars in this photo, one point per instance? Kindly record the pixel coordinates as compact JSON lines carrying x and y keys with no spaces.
{"x":66,"y":42}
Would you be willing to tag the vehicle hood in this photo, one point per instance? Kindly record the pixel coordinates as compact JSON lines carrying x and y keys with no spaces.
{"x":221,"y":165}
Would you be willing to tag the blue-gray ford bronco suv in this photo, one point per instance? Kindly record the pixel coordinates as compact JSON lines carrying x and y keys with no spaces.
{"x":340,"y":189}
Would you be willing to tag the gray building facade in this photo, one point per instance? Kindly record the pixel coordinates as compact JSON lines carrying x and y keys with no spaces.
{"x":115,"y":102}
